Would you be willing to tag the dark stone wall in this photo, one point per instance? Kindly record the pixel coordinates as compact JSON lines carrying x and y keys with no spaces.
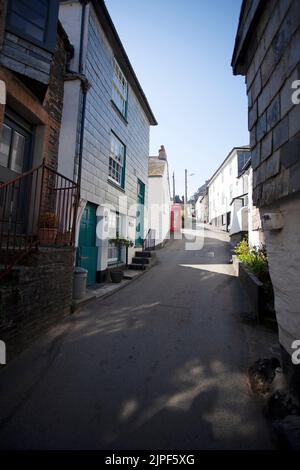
{"x":35,"y":297}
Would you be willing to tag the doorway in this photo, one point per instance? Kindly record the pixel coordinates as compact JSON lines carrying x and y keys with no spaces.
{"x":139,"y":231}
{"x":87,"y":253}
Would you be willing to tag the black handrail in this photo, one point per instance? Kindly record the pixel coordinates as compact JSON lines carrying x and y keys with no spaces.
{"x":149,"y":240}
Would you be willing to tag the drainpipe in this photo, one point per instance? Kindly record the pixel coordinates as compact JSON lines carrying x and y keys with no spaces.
{"x":84,"y":88}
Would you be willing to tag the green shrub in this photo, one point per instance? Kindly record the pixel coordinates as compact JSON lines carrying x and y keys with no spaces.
{"x":255,"y":259}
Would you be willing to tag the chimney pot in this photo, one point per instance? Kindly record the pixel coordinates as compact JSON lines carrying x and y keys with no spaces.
{"x":162,"y":153}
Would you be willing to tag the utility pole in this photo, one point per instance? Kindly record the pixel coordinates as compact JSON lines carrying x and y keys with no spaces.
{"x":173,"y":186}
{"x":185,"y":192}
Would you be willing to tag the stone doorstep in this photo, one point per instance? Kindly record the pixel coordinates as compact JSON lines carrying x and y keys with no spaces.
{"x":103,"y":290}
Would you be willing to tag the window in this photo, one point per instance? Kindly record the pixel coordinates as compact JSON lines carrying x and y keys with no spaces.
{"x":120,"y":89}
{"x":35,"y":20}
{"x":117,"y":161}
{"x":115,"y":254}
{"x":14,"y":147}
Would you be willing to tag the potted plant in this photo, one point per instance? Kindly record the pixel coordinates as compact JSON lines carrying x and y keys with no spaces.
{"x":116,"y":275}
{"x":48,"y":227}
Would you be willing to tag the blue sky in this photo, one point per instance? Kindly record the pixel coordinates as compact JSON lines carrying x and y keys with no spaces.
{"x":181,"y":52}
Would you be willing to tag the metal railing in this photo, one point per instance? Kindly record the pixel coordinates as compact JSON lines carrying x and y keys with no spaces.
{"x":149,"y":240}
{"x":38,"y":207}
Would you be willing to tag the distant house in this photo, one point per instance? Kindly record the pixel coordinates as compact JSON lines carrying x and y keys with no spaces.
{"x":223,"y":187}
{"x":202,"y":206}
{"x":239,"y":205}
{"x":159,"y":197}
{"x":105,"y":138}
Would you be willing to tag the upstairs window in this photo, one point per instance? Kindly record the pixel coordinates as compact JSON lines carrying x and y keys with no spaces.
{"x":34,"y":20}
{"x":120,"y":89}
{"x":117,"y":161}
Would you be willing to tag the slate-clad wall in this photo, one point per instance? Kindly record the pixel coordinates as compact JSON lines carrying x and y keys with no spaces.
{"x":101,"y":119}
{"x":273,"y":63}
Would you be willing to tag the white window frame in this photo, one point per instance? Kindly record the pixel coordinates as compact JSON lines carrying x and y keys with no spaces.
{"x":116,"y":160}
{"x":120,"y":89}
{"x":115,"y":228}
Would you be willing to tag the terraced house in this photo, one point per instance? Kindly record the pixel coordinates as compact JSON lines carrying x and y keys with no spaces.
{"x":37,"y":204}
{"x":105,"y":137}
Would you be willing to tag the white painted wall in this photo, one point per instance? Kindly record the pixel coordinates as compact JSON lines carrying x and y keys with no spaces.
{"x":202,"y":209}
{"x":69,"y":126}
{"x":255,"y":233}
{"x":224,"y":186}
{"x":159,"y":206}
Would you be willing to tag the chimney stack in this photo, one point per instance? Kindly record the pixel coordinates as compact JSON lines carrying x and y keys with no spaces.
{"x":162,"y":153}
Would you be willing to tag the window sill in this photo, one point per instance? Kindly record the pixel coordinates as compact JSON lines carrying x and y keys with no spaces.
{"x":119,"y":112}
{"x":115,"y":185}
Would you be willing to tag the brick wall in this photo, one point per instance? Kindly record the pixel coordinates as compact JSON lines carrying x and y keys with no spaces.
{"x":53,"y":103}
{"x":35,"y":297}
{"x":272,"y":63}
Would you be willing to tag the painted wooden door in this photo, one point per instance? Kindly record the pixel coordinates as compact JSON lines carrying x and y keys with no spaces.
{"x":139,"y":236}
{"x":87,"y":250}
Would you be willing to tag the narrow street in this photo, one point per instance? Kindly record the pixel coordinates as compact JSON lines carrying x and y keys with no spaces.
{"x":159,"y":365}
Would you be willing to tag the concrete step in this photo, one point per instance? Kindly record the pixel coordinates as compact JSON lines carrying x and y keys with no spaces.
{"x":141,"y":260}
{"x":138,"y":267}
{"x":143,"y":254}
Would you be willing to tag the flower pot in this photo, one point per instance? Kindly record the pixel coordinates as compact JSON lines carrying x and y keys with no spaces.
{"x":116,"y":276}
{"x":47,"y":236}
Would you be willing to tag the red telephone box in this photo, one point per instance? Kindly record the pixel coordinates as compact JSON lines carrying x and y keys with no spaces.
{"x":176,"y":218}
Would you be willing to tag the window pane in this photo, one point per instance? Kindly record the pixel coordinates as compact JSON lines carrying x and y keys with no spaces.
{"x":17,"y":153}
{"x":30,"y":17}
{"x":116,"y":160}
{"x":35,"y":17}
{"x":27,"y":27}
{"x":5,"y":139}
{"x":119,"y":90}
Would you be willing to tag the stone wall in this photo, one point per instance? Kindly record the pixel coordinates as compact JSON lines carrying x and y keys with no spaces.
{"x":267,"y":52}
{"x":35,"y":296}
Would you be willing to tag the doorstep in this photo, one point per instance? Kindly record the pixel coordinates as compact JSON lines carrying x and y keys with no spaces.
{"x":105,"y":289}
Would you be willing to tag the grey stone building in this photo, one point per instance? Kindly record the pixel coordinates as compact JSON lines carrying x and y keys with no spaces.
{"x":267,"y":53}
{"x":105,"y":137}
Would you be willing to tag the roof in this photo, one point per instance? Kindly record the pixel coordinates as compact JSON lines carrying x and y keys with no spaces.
{"x":121,"y":57}
{"x":250,"y":12}
{"x":242,"y":148}
{"x":156,"y":166}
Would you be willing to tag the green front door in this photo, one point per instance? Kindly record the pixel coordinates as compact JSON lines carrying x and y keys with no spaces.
{"x":87,"y":250}
{"x":139,"y":235}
